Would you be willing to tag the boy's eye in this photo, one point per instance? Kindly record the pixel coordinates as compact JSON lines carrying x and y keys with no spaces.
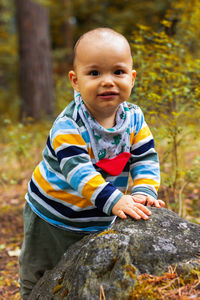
{"x":94,"y":73}
{"x":119,"y":72}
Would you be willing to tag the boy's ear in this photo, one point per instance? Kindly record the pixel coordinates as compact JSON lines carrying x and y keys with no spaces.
{"x":133,"y":77}
{"x":74,"y":80}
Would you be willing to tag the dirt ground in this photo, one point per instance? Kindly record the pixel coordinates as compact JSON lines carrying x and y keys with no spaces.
{"x":11,"y":236}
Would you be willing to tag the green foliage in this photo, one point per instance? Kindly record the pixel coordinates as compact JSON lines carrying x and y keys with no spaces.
{"x":64,"y":92}
{"x":21,"y":147}
{"x":9,"y":99}
{"x":167,"y":89}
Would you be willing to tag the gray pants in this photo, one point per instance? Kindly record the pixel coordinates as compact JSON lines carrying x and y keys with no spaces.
{"x":42,"y":248}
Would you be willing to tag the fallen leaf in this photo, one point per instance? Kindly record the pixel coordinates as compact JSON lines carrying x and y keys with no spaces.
{"x":15,"y":252}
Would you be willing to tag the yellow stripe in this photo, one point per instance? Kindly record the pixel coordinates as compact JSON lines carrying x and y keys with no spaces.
{"x":91,"y":186}
{"x":142,"y":134}
{"x":146,"y":181}
{"x":91,"y":154}
{"x":61,"y":195}
{"x":72,"y":139}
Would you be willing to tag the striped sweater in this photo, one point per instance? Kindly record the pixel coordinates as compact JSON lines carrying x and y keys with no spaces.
{"x":69,"y":191}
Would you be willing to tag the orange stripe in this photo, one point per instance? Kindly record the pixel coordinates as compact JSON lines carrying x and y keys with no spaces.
{"x":132,"y":138}
{"x":72,"y":139}
{"x":61,"y":195}
{"x":91,"y":154}
{"x":91,"y":186}
{"x":146,"y":181}
{"x":142,"y":134}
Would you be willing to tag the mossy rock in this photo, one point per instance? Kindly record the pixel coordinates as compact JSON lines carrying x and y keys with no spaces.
{"x":108,"y":263}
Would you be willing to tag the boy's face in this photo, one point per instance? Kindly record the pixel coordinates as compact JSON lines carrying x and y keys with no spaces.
{"x":103,"y":74}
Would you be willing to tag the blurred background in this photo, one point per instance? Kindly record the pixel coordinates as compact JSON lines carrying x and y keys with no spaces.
{"x":36,"y":50}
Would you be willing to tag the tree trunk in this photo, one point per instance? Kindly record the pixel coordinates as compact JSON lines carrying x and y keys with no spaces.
{"x":36,"y":86}
{"x":68,"y":33}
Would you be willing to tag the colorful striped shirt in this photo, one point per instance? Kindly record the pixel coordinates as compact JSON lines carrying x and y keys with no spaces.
{"x":69,"y":191}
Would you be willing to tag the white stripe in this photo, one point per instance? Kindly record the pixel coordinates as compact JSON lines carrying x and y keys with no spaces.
{"x":144,"y":163}
{"x":142,"y":142}
{"x":144,"y":124}
{"x":110,"y":200}
{"x":65,"y":132}
{"x":146,"y":176}
{"x":74,"y":170}
{"x":66,"y":145}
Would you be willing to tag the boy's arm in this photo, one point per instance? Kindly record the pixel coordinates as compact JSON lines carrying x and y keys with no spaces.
{"x":144,"y":167}
{"x":76,"y":165}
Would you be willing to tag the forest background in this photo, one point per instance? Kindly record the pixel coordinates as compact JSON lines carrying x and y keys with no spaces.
{"x":164,"y":37}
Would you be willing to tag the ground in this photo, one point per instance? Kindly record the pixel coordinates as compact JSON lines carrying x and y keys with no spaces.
{"x":11,"y":235}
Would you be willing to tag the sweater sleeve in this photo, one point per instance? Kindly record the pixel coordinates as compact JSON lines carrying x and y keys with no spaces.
{"x":75,"y":163}
{"x":144,"y":167}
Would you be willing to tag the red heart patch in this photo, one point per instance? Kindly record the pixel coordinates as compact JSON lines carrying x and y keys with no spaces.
{"x":114,"y":166}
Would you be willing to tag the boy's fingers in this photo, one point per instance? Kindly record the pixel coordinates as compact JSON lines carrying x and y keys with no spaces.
{"x":157,"y":203}
{"x":132,"y":213}
{"x":162,"y":203}
{"x":138,"y":211}
{"x":121,"y":214}
{"x":143,"y":208}
{"x":150,"y":200}
{"x":139,"y":198}
{"x":141,"y":214}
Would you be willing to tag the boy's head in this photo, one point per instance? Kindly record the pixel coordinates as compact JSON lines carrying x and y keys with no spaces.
{"x":102,"y":70}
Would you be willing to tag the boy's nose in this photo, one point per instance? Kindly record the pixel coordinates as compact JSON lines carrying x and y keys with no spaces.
{"x":107,"y":81}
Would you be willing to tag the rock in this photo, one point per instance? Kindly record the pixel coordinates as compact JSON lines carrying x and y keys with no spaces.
{"x":110,"y":261}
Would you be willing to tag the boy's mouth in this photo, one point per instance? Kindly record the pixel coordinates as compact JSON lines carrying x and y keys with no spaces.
{"x":111,"y":93}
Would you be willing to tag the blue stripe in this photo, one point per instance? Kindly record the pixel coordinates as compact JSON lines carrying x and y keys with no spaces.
{"x":64,"y":210}
{"x":144,"y":148}
{"x":69,"y":152}
{"x":80,"y":174}
{"x":49,"y":146}
{"x":60,"y":224}
{"x":120,"y":182}
{"x":104,"y":195}
{"x":145,"y":170}
{"x":85,"y":136}
{"x":132,"y":121}
{"x":145,"y":190}
{"x":62,"y":124}
{"x":138,"y":119}
{"x":53,"y":178}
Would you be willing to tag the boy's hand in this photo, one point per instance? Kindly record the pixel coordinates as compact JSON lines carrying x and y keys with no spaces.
{"x":148,"y":200}
{"x":126,"y":205}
